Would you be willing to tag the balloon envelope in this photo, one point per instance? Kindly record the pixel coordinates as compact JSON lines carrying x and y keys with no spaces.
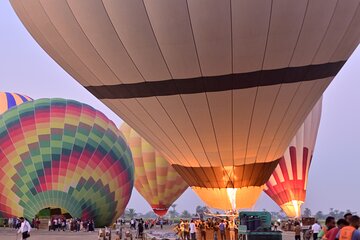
{"x":287,"y":185}
{"x":155,"y":179}
{"x":219,"y":87}
{"x":63,"y":154}
{"x":9,"y":100}
{"x":229,"y":198}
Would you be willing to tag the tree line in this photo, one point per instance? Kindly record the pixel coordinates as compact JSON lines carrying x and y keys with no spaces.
{"x":172,"y":213}
{"x":201,"y":210}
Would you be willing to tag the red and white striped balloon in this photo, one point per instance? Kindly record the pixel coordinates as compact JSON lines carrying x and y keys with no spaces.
{"x":287,"y":184}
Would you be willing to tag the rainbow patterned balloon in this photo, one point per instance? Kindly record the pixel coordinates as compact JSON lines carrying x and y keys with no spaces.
{"x":63,"y":154}
{"x":155,"y":179}
{"x":9,"y":100}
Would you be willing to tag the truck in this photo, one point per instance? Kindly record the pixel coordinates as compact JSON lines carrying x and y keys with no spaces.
{"x":256,"y":226}
{"x":306,"y":223}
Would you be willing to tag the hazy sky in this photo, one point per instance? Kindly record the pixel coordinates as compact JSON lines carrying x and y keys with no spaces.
{"x":335,"y":172}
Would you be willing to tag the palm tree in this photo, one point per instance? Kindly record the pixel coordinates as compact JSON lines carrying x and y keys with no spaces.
{"x":307,"y":212}
{"x":131,"y":213}
{"x":319,"y":215}
{"x":173,"y":212}
{"x":185,"y":214}
{"x":200,"y":211}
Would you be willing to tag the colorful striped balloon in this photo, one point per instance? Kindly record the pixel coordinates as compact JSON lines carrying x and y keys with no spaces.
{"x":64,"y":154}
{"x":9,"y":100}
{"x":155,"y":179}
{"x":287,"y":184}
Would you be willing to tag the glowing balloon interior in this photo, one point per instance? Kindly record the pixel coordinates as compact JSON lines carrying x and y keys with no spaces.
{"x":229,"y":198}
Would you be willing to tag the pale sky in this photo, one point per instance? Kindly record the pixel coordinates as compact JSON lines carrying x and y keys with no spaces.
{"x":334,"y":175}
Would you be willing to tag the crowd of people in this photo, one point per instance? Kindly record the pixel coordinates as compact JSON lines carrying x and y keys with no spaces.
{"x":187,"y":230}
{"x":13,"y":223}
{"x":343,"y":229}
{"x":346,"y":228}
{"x":73,"y":225}
{"x":139,"y":224}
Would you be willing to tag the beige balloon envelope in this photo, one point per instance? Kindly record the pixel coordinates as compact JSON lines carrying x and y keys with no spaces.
{"x":218,"y":87}
{"x":155,"y":179}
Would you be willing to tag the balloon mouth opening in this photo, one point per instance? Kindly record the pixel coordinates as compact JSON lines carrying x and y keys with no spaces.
{"x":292,"y":208}
{"x":160,"y":211}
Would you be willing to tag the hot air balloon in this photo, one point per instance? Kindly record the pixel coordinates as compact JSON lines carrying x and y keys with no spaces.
{"x":287,"y":185}
{"x":9,"y":100}
{"x":155,"y":179}
{"x":229,"y":198}
{"x":218,"y":87}
{"x":63,"y":154}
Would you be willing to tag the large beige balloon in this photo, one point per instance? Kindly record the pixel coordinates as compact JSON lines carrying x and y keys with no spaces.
{"x":219,"y":87}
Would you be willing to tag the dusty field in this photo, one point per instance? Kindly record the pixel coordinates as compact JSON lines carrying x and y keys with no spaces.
{"x":6,"y":234}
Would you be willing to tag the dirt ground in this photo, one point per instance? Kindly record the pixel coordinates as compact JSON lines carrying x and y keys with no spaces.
{"x":7,"y":234}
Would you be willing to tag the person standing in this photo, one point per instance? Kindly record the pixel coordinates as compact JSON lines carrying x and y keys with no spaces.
{"x":276,"y":225}
{"x":202,"y":227}
{"x":140,"y":228}
{"x":308,"y":234}
{"x":222,"y":228}
{"x":186,"y":230}
{"x":350,"y":232}
{"x":215,"y":229}
{"x":37,"y":223}
{"x":329,"y":224}
{"x":10,"y":222}
{"x":315,"y":229}
{"x":332,"y":233}
{"x":55,"y":224}
{"x":182,"y":229}
{"x":297,"y":231}
{"x":132,"y":224}
{"x":232,"y":228}
{"x":177,"y":230}
{"x":59,"y":224}
{"x":192,"y":230}
{"x":347,"y":217}
{"x":24,"y":229}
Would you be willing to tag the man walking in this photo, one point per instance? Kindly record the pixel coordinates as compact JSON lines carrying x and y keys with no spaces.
{"x":297,"y":231}
{"x":192,"y":230}
{"x":24,"y":229}
{"x":315,"y":229}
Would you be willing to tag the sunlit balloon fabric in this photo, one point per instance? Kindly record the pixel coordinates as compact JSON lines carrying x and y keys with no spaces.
{"x":9,"y":100}
{"x":229,"y":198}
{"x":65,"y":154}
{"x":287,"y":185}
{"x":155,"y":179}
{"x":219,"y":87}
